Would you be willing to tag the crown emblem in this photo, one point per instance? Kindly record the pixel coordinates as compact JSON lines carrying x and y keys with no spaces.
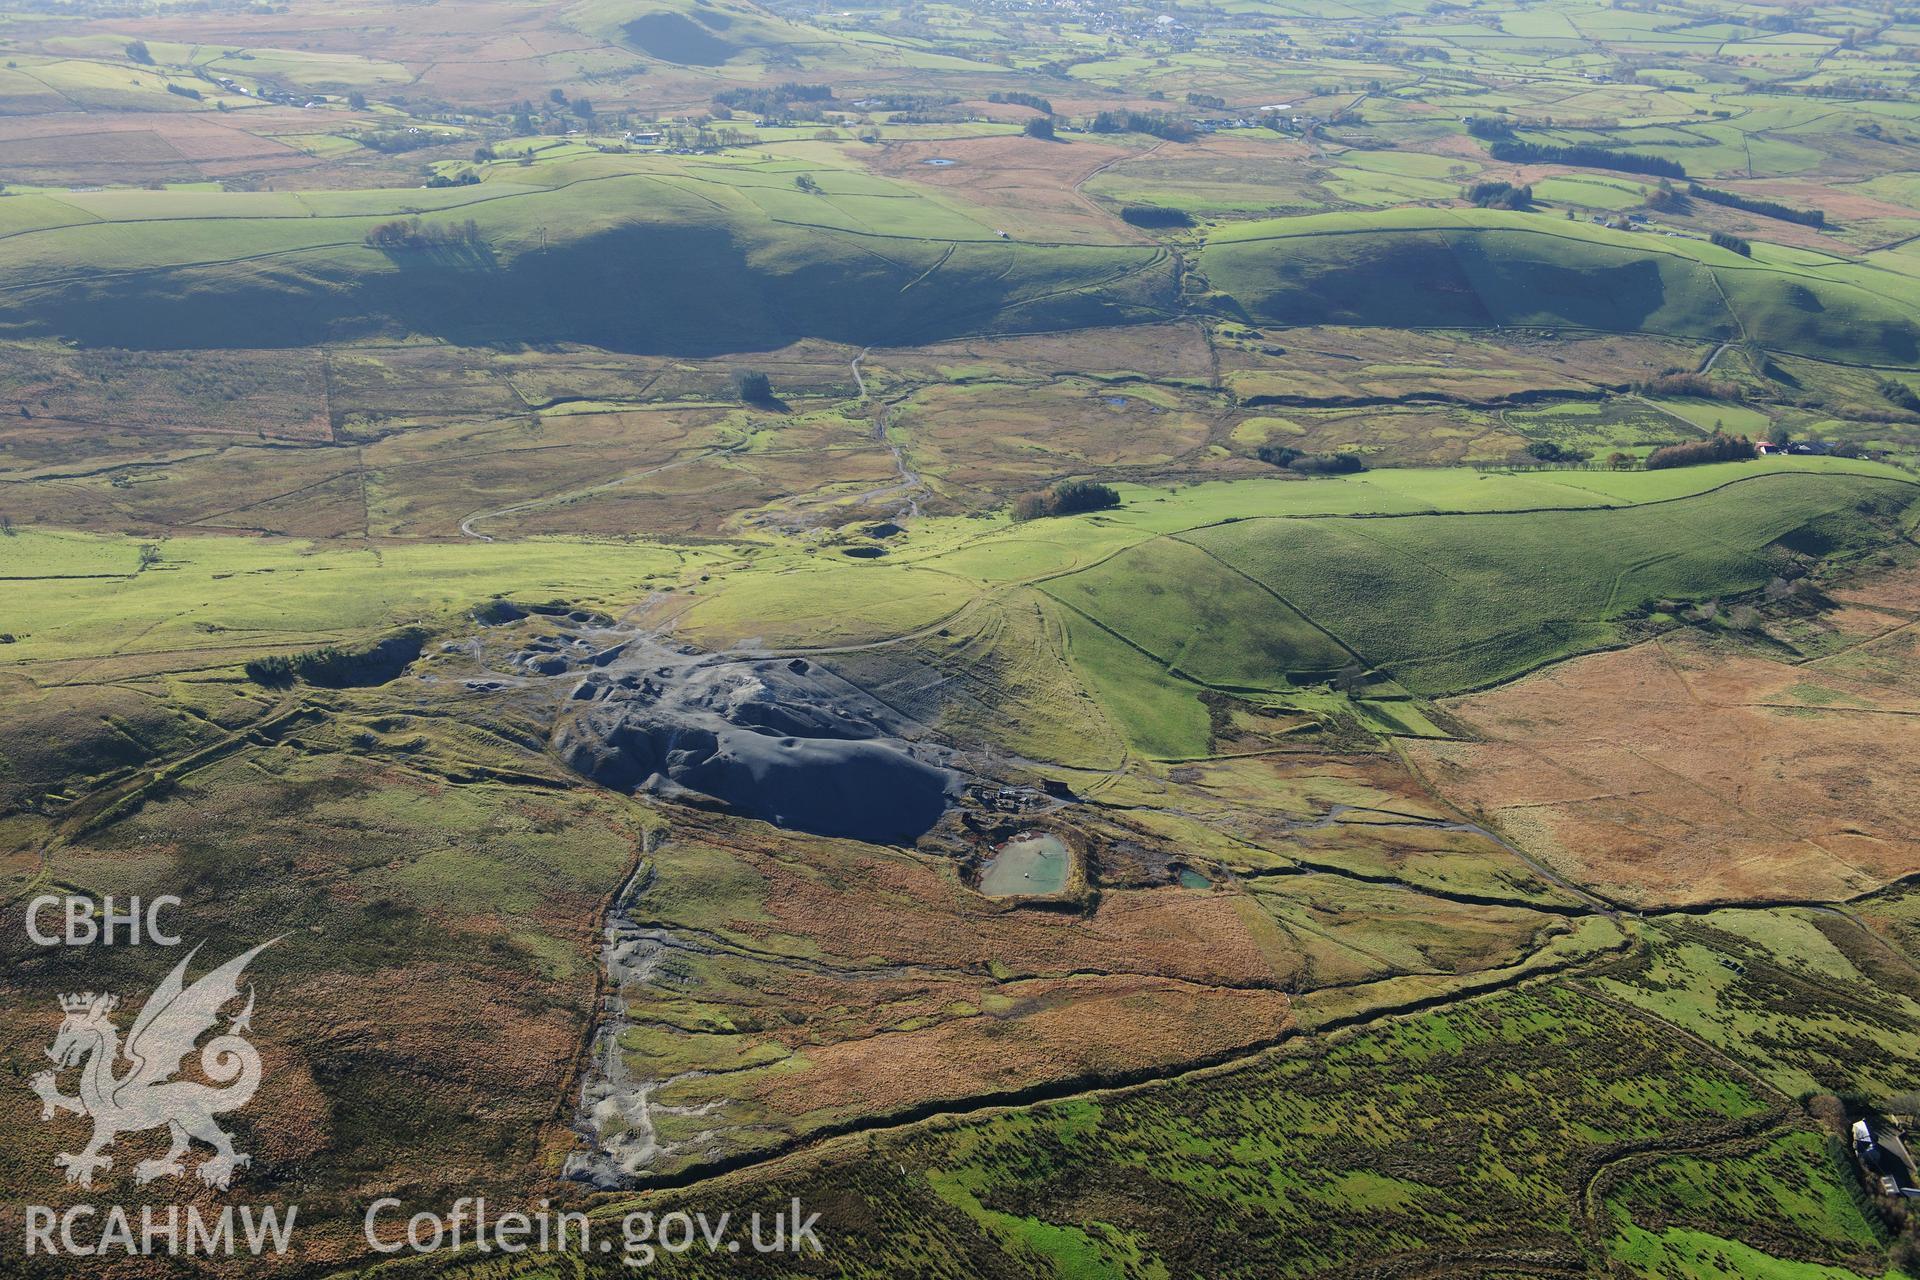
{"x":82,"y":1001}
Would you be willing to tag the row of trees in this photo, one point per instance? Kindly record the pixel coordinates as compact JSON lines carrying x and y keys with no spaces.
{"x":394,"y":141}
{"x":1067,"y":497}
{"x":1900,"y":395}
{"x":1317,"y":464}
{"x":1153,"y":215}
{"x":1020,"y":99}
{"x":1549,"y":451}
{"x":1676,"y":382}
{"x":527,"y":120}
{"x":406,"y":234}
{"x":1666,"y":198}
{"x":1767,"y":208}
{"x":1155,"y":124}
{"x":1498,"y":195}
{"x":783,"y":103}
{"x":1513,"y":151}
{"x":1720,"y":447}
{"x":752,"y":386}
{"x":1568,"y":460}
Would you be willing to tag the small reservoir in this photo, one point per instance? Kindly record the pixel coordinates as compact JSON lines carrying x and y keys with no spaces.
{"x":1032,"y":863}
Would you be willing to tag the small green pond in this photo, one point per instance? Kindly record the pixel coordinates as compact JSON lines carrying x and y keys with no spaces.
{"x":1034,"y":863}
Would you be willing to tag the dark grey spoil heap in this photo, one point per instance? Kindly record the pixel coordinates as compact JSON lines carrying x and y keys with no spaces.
{"x":779,"y":739}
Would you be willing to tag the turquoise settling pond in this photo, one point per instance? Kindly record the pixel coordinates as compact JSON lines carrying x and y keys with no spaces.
{"x":1027,"y":864}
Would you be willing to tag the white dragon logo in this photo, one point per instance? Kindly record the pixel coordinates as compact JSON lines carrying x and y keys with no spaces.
{"x":145,"y":1096}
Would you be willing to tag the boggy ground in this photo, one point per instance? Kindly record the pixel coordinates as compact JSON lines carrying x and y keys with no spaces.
{"x":1688,"y":769}
{"x":811,"y":985}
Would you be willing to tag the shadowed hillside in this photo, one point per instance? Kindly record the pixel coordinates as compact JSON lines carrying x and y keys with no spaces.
{"x":1481,"y":269}
{"x":625,"y":263}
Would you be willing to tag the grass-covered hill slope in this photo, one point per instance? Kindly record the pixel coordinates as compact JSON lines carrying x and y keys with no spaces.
{"x":733,"y":37}
{"x":662,"y":262}
{"x":660,"y":254}
{"x":1456,"y":601}
{"x":1484,"y":268}
{"x":695,"y":33}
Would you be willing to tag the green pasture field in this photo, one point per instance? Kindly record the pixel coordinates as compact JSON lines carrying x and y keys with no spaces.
{"x":1407,"y":164}
{"x":71,"y":597}
{"x":1519,"y":589}
{"x":1200,"y":617}
{"x":310,"y":69}
{"x":88,"y":597}
{"x":1703,"y":150}
{"x":1268,"y":585}
{"x":1711,"y":415}
{"x":1154,"y":709}
{"x":106,"y":86}
{"x":1385,"y":190}
{"x":1206,"y":185}
{"x":1587,"y":192}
